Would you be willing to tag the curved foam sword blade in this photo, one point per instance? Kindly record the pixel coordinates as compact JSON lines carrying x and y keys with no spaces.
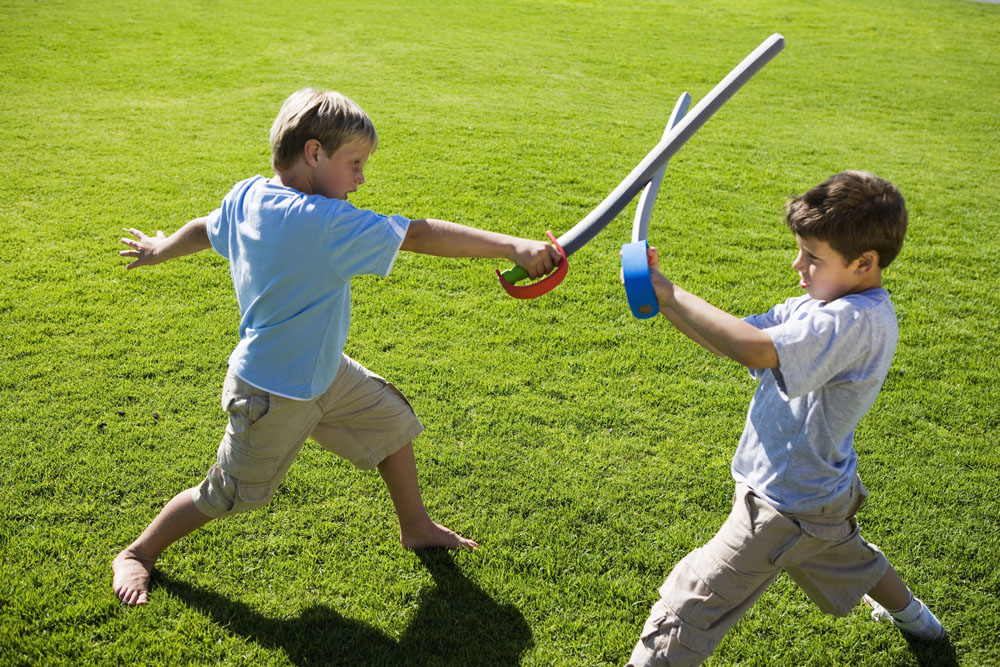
{"x":643,"y":211}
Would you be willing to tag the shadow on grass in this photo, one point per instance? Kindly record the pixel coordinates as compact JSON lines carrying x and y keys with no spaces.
{"x":933,"y":654}
{"x":456,"y":623}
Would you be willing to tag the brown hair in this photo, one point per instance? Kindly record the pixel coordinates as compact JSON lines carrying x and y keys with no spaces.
{"x":853,"y":211}
{"x":329,"y":117}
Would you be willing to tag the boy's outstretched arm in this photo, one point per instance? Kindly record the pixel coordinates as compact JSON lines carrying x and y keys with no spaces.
{"x":713,"y":328}
{"x":149,"y":250}
{"x":448,"y":239}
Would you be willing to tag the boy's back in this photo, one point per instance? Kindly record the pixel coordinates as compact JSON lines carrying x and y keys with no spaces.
{"x":292,"y":257}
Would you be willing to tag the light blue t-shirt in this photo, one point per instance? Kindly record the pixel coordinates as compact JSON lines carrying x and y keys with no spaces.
{"x":797,"y":448}
{"x":292,"y":257}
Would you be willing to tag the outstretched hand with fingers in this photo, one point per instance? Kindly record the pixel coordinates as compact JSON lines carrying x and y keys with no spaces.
{"x":149,"y":250}
{"x":144,"y":248}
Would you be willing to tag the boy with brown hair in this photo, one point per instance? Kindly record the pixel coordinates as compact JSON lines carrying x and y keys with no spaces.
{"x":293,"y":243}
{"x":821,"y":359}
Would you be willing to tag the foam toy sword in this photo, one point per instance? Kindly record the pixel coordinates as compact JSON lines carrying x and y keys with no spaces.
{"x":643,"y":173}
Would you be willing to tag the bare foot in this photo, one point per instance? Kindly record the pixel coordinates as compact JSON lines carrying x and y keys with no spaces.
{"x":430,"y":535}
{"x":131,"y":582}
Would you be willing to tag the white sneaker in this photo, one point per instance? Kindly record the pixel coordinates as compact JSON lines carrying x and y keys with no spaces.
{"x":921,"y":623}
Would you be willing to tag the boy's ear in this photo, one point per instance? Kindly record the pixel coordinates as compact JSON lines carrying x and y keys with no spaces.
{"x":867,"y":261}
{"x":310,"y":151}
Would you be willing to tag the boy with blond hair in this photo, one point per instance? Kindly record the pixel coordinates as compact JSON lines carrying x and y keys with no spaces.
{"x":820,"y":359}
{"x":293,"y":243}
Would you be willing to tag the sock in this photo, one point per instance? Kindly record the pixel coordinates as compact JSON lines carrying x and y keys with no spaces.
{"x":908,"y":613}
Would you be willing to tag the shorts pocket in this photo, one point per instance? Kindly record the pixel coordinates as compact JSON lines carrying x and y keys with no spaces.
{"x":381,"y":381}
{"x":862,"y":497}
{"x":245,"y":410}
{"x":249,"y":453}
{"x":784,"y":555}
{"x":244,"y":399}
{"x":664,"y":630}
{"x":253,"y":492}
{"x":699,"y":591}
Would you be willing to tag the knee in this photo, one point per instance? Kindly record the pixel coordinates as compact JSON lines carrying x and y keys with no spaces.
{"x":220,"y":495}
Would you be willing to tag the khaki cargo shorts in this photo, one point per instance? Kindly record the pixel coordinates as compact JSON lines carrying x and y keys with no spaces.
{"x":361,"y":417}
{"x":713,"y":586}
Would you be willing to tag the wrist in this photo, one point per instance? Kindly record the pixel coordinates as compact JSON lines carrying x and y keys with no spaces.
{"x":511,"y":248}
{"x":662,"y":288}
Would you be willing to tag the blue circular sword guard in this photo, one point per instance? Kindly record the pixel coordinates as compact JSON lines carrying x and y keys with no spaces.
{"x":638,"y":284}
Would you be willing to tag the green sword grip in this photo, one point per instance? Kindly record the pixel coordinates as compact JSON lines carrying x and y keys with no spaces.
{"x":514,"y":274}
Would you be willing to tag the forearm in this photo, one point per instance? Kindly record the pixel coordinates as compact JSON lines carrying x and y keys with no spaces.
{"x":681,"y":325}
{"x":189,"y":239}
{"x":149,"y":250}
{"x":448,"y":239}
{"x":715,"y":329}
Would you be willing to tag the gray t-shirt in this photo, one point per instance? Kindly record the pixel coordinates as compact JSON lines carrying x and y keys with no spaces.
{"x":797,"y":448}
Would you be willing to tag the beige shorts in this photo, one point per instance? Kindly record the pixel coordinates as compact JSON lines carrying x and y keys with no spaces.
{"x":713,"y":586}
{"x":360,"y":417}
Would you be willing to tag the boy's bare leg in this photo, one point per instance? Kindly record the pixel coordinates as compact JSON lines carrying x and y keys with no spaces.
{"x":132,"y":566}
{"x":891,"y":600}
{"x":416,"y":529}
{"x":890,"y":591}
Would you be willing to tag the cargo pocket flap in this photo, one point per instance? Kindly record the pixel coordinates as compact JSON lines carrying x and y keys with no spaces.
{"x":253,"y":492}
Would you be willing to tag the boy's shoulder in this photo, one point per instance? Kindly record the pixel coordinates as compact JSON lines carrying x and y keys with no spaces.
{"x":872,"y":308}
{"x":259,"y":193}
{"x":262,"y":208}
{"x":244,"y":186}
{"x":875,"y":299}
{"x":866,"y":320}
{"x":818,"y":343}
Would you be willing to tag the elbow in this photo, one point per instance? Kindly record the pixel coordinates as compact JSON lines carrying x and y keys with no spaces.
{"x":759,"y":359}
{"x":416,"y":233}
{"x":757,"y":355}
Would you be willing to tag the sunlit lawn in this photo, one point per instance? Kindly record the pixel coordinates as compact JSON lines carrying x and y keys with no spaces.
{"x":587,"y":451}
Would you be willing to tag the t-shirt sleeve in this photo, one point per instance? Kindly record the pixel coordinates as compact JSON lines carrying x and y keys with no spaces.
{"x":365,"y":242}
{"x":816,"y":345}
{"x":216,"y":235}
{"x":766,"y":320}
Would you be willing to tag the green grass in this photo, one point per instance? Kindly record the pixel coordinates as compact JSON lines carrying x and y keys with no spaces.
{"x":587,"y":451}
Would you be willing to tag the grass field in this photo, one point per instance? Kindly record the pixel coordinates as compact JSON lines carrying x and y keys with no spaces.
{"x":587,"y":451}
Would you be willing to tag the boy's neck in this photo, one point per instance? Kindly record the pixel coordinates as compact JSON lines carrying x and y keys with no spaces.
{"x":872,"y":280}
{"x":295,"y":178}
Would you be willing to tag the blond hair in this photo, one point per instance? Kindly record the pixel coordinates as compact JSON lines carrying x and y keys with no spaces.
{"x":327,"y":116}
